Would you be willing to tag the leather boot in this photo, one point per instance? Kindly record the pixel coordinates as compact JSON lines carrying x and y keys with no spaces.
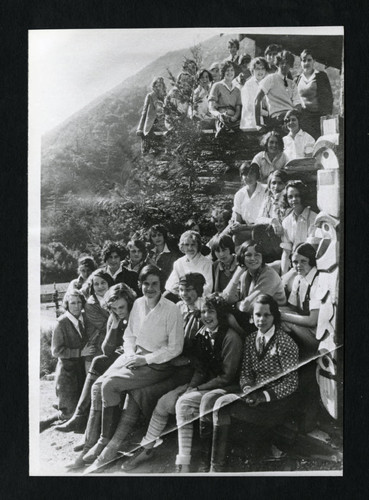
{"x":218,"y":452}
{"x":91,"y":436}
{"x":108,"y":424}
{"x":79,"y":419}
{"x":206,"y":430}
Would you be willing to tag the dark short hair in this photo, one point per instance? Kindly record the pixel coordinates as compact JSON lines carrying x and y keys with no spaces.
{"x":140,"y":245}
{"x":99,"y":273}
{"x":252,"y":168}
{"x":266,"y":137}
{"x":272,"y":48}
{"x":201,"y":72}
{"x":221,"y":243}
{"x":158,"y":228}
{"x":273,"y":306}
{"x":120,"y":291}
{"x":226,"y":66}
{"x":87,"y":260}
{"x":151,"y":269}
{"x":109,"y":247}
{"x":157,"y":80}
{"x":258,"y":60}
{"x":301,"y":187}
{"x":307,"y":251}
{"x":218,"y":303}
{"x":293,"y":112}
{"x":197,"y":280}
{"x":245,"y":59}
{"x":73,"y":293}
{"x":225,"y":213}
{"x":307,"y":52}
{"x":234,"y":41}
{"x":285,"y":54}
{"x":190,"y":223}
{"x":187,"y":62}
{"x":243,"y":249}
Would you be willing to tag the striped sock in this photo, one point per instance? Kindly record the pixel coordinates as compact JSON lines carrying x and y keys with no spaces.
{"x":156,"y":427}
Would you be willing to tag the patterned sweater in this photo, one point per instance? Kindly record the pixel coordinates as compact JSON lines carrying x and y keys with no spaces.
{"x":280,"y":356}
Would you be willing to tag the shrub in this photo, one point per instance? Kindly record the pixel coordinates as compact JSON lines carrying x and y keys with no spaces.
{"x":47,"y":361}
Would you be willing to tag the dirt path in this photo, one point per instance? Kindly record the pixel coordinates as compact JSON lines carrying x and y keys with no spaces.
{"x":56,"y":451}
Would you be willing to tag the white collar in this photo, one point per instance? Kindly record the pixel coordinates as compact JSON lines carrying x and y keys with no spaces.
{"x":73,"y":319}
{"x":299,"y":133}
{"x":195,"y":259}
{"x":226,"y":86}
{"x":310,"y":276}
{"x":116,"y":272}
{"x":267,"y":335}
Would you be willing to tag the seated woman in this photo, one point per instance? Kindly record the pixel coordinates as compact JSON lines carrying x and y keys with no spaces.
{"x":225,"y":101}
{"x":119,"y":301}
{"x":200,"y":111}
{"x":273,"y":156}
{"x":191,"y":262}
{"x":137,"y":256}
{"x":247,"y":203}
{"x":153,"y":337}
{"x":299,"y":320}
{"x":268,"y":381}
{"x":152,"y":116}
{"x":299,"y":224}
{"x":112,"y":254}
{"x":244,"y":73}
{"x":220,"y":217}
{"x":86,"y":265}
{"x":68,"y":340}
{"x":259,"y":68}
{"x":193,"y":225}
{"x":218,"y":351}
{"x":177,"y":102}
{"x":145,"y":400}
{"x":297,"y":144}
{"x":161,"y":255}
{"x":225,"y":263}
{"x":315,"y":93}
{"x":97,"y":314}
{"x":251,"y":279}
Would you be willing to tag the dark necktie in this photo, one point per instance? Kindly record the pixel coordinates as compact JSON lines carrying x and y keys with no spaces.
{"x":261,"y":344}
{"x":285,"y":82}
{"x":81,"y":328}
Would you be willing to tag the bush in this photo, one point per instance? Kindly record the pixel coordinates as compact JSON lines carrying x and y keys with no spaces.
{"x":47,"y":361}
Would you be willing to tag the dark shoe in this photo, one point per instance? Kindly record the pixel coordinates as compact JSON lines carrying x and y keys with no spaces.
{"x":95,"y":451}
{"x":141,"y":456}
{"x":76,"y":423}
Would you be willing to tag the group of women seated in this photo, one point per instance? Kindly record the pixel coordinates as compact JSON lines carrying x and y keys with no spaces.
{"x":241,"y":95}
{"x":199,"y":338}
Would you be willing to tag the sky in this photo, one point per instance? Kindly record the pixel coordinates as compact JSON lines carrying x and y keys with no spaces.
{"x":70,"y":68}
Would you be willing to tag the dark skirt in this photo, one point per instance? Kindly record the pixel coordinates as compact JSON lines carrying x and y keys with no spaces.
{"x":69,"y":379}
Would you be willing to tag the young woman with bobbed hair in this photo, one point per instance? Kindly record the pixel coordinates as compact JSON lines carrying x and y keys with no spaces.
{"x":299,"y":223}
{"x":267,"y":385}
{"x":68,"y":340}
{"x":192,"y":261}
{"x":252,"y":278}
{"x":119,"y":301}
{"x":200,"y":109}
{"x":161,"y":254}
{"x":86,"y":265}
{"x":273,"y":156}
{"x":112,"y":254}
{"x":297,"y":143}
{"x":137,"y":255}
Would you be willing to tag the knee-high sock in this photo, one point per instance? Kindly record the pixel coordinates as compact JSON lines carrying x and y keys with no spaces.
{"x":156,"y":427}
{"x":126,"y":423}
{"x":185,"y":434}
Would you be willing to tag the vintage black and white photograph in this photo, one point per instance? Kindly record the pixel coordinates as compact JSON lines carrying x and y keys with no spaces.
{"x":186,"y":248}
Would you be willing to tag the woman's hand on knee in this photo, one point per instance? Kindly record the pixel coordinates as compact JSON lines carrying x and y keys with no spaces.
{"x":255,"y":399}
{"x":135,"y":361}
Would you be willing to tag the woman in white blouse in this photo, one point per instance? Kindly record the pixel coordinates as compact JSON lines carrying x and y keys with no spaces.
{"x":259,"y":68}
{"x":298,"y":143}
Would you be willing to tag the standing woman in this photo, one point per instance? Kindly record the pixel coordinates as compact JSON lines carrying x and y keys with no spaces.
{"x":161,"y":255}
{"x":152,"y":117}
{"x":273,"y":156}
{"x":315,"y":94}
{"x":68,"y":341}
{"x":137,"y":255}
{"x":225,"y":101}
{"x":119,"y":301}
{"x":97,"y":314}
{"x":249,"y":91}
